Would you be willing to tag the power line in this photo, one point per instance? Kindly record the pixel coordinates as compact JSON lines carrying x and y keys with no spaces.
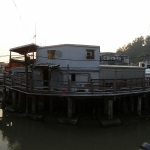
{"x":22,"y":20}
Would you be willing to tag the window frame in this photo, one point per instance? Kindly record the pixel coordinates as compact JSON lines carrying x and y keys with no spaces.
{"x":92,"y":51}
{"x":53,"y":55}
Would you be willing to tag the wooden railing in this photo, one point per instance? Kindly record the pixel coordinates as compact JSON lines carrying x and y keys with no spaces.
{"x":94,"y":86}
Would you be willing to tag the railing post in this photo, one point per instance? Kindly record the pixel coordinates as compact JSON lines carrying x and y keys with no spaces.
{"x":68,"y":85}
{"x":31,"y":83}
{"x":49,"y":80}
{"x":136,"y":82}
{"x":68,"y":78}
{"x":131,"y":86}
{"x":20,"y":82}
{"x":4,"y":78}
{"x":115,"y":86}
{"x":143,"y":84}
{"x":11,"y":80}
{"x":103,"y":84}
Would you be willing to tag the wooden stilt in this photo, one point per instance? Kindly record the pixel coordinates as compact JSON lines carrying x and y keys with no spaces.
{"x":139,"y":105}
{"x":33,"y":104}
{"x":40,"y":103}
{"x":73,"y":106}
{"x":9,"y":95}
{"x":110,"y":109}
{"x":132,"y":104}
{"x":4,"y":98}
{"x":19,"y":106}
{"x":119,"y":104}
{"x":51,"y":104}
{"x":14,"y":100}
{"x":27,"y":105}
{"x":146,"y":102}
{"x":105,"y":106}
{"x":69,"y":107}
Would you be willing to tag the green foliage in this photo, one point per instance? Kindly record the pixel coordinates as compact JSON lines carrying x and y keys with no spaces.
{"x":138,"y":50}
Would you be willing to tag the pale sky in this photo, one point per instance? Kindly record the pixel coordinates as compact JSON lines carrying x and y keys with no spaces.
{"x":107,"y":23}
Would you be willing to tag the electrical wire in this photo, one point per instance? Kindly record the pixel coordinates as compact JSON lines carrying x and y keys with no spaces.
{"x":22,"y":20}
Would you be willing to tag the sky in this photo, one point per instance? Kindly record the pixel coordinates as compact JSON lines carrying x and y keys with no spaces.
{"x":109,"y":24}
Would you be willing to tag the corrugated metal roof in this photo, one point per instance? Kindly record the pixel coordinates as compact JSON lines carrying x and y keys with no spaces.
{"x":121,"y":66}
{"x":45,"y":65}
{"x":25,"y":49}
{"x":75,"y":45}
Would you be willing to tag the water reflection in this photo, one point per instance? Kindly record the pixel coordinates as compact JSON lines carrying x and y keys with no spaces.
{"x":22,"y":134}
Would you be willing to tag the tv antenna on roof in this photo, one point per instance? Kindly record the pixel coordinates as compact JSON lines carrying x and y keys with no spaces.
{"x":34,"y":37}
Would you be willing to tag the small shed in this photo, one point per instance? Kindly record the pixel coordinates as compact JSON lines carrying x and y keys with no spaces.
{"x":121,"y":72}
{"x":122,"y":75}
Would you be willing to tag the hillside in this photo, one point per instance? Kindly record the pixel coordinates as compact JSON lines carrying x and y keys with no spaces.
{"x":138,"y":50}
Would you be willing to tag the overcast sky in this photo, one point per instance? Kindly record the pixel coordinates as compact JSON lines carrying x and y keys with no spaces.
{"x":107,"y":23}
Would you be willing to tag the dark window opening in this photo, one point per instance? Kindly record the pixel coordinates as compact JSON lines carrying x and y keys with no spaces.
{"x":45,"y":77}
{"x":73,"y":77}
{"x":89,"y":54}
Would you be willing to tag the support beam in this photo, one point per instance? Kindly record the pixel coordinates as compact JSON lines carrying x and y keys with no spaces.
{"x":73,"y":106}
{"x":27,"y":105}
{"x":51,"y":104}
{"x":33,"y":104}
{"x":139,"y":105}
{"x":4,"y":98}
{"x":14,"y":99}
{"x":125,"y":106}
{"x":40,"y":103}
{"x":70,"y":107}
{"x":110,"y":109}
{"x":132,"y":104}
{"x":20,"y":101}
{"x":119,"y":105}
{"x":9,"y":95}
{"x":26,"y":71}
{"x":146,"y":102}
{"x":105,"y":106}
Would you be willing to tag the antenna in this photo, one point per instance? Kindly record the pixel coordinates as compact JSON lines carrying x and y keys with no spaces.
{"x":34,"y":37}
{"x":35,"y":33}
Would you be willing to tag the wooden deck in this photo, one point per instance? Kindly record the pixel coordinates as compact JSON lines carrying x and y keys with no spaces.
{"x":93,"y":88}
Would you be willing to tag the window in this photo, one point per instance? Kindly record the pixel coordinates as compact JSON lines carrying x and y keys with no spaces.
{"x":51,"y":54}
{"x":73,"y":77}
{"x":89,"y":54}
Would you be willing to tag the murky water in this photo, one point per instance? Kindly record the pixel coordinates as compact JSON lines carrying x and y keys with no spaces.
{"x":23,"y":134}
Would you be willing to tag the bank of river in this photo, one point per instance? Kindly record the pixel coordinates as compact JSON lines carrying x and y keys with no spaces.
{"x":18,"y":133}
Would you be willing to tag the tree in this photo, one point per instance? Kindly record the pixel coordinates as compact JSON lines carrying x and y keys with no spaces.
{"x":138,"y":50}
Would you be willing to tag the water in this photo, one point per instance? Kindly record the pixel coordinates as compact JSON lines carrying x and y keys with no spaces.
{"x":23,"y":134}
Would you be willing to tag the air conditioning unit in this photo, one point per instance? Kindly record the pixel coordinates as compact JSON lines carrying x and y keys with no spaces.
{"x":106,"y":58}
{"x":142,"y":64}
{"x":89,"y":54}
{"x":118,"y":58}
{"x":112,"y":58}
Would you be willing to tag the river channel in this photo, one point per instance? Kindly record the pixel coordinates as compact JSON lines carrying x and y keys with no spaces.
{"x":18,"y":133}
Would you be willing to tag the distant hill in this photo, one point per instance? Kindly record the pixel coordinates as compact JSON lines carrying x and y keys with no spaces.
{"x":138,"y":50}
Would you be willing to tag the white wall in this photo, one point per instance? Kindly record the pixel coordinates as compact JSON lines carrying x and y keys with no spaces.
{"x":74,"y":55}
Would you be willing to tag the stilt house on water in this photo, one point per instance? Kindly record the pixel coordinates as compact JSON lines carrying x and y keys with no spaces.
{"x":72,"y":73}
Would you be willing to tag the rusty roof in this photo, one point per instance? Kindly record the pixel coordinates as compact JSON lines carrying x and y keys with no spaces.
{"x":25,"y":49}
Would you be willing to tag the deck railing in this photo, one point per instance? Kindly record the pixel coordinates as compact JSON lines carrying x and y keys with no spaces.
{"x":93,"y":86}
